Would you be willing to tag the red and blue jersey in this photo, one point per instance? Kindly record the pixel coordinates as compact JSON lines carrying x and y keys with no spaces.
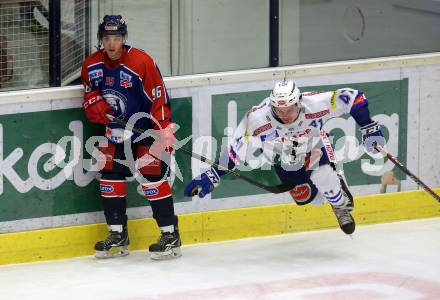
{"x":131,"y":84}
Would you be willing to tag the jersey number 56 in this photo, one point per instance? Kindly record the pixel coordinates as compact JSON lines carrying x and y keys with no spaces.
{"x":156,"y":92}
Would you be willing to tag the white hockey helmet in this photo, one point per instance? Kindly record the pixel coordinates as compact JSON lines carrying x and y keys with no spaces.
{"x":284,"y":94}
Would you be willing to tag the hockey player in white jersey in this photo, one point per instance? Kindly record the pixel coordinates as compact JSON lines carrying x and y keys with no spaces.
{"x":288,"y":129}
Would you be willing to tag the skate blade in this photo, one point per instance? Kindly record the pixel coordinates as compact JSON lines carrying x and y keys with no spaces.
{"x":170,"y":254}
{"x":112,"y":253}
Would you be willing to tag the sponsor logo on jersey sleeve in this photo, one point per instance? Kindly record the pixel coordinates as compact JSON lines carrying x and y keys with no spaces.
{"x":125,"y":79}
{"x":261,"y":129}
{"x":318,"y":114}
{"x":95,"y":74}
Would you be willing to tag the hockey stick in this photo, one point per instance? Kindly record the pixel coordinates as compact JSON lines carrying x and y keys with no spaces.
{"x":275,"y":189}
{"x":404,"y":169}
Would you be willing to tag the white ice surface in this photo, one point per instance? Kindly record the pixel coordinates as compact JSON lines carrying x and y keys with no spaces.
{"x":387,"y":261}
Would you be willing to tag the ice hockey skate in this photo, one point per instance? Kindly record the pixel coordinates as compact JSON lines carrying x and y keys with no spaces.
{"x":115,"y":245}
{"x":342,"y":212}
{"x":166,"y":247}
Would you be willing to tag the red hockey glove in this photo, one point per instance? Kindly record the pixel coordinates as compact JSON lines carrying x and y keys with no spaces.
{"x":167,"y":136}
{"x":95,"y":108}
{"x":165,"y":141}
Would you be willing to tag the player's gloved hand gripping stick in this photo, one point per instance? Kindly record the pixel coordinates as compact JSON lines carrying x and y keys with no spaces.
{"x":275,"y":189}
{"x":371,"y":135}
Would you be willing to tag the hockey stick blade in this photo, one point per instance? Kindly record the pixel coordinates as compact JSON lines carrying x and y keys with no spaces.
{"x":405,"y":170}
{"x":274,"y":189}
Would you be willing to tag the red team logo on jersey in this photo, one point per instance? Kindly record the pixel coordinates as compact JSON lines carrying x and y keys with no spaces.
{"x":301,"y":193}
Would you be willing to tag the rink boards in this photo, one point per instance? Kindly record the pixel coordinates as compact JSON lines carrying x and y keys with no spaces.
{"x":212,"y":226}
{"x":49,"y":206}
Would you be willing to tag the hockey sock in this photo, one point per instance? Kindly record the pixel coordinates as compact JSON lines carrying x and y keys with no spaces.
{"x":163,"y":212}
{"x":115,"y":210}
{"x":169,"y":228}
{"x":117,"y":228}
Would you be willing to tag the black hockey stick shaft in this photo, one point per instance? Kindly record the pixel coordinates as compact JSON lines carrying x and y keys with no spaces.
{"x":275,"y":189}
{"x":408,"y":172}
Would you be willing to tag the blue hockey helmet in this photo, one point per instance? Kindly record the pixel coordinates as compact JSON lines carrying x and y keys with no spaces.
{"x":112,"y":24}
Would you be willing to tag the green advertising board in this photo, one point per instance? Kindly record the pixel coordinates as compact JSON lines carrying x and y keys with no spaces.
{"x":32,"y":186}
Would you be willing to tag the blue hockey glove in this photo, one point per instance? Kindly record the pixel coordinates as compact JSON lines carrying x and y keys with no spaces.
{"x":203,"y":184}
{"x":371,"y":134}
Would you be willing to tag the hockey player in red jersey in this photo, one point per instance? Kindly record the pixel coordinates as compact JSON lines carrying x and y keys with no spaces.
{"x":124,"y":81}
{"x":289,"y":124}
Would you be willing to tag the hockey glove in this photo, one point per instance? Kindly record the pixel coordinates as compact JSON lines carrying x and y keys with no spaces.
{"x":96,"y":107}
{"x":372,"y":134}
{"x":203,"y":184}
{"x":167,"y":137}
{"x":163,"y":142}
